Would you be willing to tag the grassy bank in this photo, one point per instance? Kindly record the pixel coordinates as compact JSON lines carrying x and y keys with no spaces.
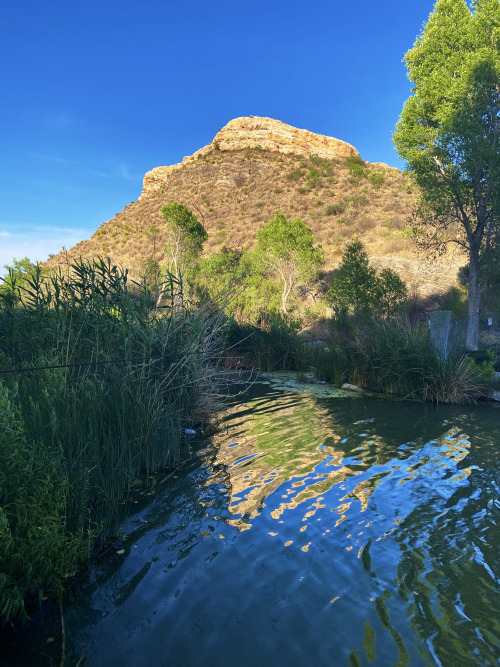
{"x":105,"y":378}
{"x":275,"y":346}
{"x":392,"y":356}
{"x":388,"y":356}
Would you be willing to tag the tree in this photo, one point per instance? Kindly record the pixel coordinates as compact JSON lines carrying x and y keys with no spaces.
{"x":239,"y":277}
{"x":354,"y":284}
{"x":390,"y":292}
{"x":185,"y":238}
{"x":219,"y":272}
{"x":449,"y":135}
{"x":13,"y":283}
{"x":357,"y":288}
{"x":286,"y":249}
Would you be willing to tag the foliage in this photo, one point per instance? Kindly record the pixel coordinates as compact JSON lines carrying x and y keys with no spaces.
{"x":235,"y":280}
{"x":186,"y":236}
{"x":295,"y":175}
{"x":313,"y":177}
{"x":274,"y":346}
{"x":449,"y":135}
{"x":218,"y":272}
{"x":357,"y":288}
{"x":490,"y":297}
{"x":337,"y":207}
{"x":117,"y":379}
{"x":16,"y":278}
{"x":286,"y":250}
{"x":376,"y":179}
{"x":36,"y":548}
{"x":258,"y":301}
{"x":353,"y":285}
{"x":356,"y":166}
{"x":456,"y":301}
{"x":151,"y":271}
{"x":394,"y":357}
{"x":390,"y":292}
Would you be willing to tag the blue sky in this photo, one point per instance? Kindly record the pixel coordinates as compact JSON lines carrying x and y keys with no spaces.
{"x":94,"y":94}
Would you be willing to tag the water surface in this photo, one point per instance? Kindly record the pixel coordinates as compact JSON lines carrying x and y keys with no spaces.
{"x":310,"y":531}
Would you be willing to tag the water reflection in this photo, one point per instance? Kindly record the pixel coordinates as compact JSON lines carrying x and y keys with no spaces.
{"x":311,"y":531}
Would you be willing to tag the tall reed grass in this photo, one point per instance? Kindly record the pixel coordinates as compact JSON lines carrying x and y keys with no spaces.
{"x":75,"y":432}
{"x":275,"y":346}
{"x":392,"y":356}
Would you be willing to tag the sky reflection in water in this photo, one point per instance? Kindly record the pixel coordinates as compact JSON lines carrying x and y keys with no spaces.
{"x":311,"y":531}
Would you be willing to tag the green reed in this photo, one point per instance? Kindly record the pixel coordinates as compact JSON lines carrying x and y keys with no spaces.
{"x":276,"y":346}
{"x":390,"y":356}
{"x":74,"y":438}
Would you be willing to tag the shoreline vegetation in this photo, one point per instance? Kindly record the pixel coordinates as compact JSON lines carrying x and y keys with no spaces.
{"x":100,"y":380}
{"x":102,"y":377}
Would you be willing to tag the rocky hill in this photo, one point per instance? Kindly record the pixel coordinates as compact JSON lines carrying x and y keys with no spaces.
{"x":256,"y":166}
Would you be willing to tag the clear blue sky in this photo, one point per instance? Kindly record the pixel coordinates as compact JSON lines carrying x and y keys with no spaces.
{"x":96,"y":93}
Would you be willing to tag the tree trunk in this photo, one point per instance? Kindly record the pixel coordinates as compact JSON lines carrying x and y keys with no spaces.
{"x":474,"y":298}
{"x":284,"y":297}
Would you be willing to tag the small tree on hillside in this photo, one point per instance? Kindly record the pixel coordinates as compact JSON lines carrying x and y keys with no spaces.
{"x":390,"y":292}
{"x":354,"y":284}
{"x":286,"y":249}
{"x":357,"y":288}
{"x":185,"y":237}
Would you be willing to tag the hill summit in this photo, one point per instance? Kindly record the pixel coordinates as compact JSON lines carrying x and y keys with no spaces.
{"x":255,"y":166}
{"x":255,"y":132}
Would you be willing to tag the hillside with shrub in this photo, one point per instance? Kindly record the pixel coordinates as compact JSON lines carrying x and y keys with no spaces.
{"x":234,"y":189}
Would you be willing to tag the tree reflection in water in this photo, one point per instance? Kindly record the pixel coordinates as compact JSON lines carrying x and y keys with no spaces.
{"x":311,"y":531}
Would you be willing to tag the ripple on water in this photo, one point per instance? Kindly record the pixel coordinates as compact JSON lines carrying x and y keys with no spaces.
{"x":300,"y":539}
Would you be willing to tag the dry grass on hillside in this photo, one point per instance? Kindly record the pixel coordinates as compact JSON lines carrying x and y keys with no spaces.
{"x":235,"y":193}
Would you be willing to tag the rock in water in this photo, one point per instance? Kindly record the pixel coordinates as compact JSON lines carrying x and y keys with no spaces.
{"x":351,"y":387}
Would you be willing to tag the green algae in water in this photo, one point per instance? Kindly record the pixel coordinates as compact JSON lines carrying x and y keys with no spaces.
{"x":287,"y":381}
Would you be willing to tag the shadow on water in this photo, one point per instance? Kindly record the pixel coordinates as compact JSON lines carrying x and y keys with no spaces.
{"x":310,"y":531}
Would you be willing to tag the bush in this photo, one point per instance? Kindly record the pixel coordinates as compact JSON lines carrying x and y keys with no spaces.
{"x":456,"y":301}
{"x":295,"y":175}
{"x":313,"y":177}
{"x":356,"y":166}
{"x":393,"y":357}
{"x":274,"y":346}
{"x":376,"y":179}
{"x":336,"y":208}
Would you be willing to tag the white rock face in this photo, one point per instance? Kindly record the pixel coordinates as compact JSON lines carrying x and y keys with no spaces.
{"x":256,"y":132}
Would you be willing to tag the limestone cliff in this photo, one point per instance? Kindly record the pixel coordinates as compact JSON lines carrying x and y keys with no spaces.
{"x":255,"y":132}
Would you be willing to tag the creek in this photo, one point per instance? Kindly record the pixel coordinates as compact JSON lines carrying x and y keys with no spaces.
{"x":312,"y":529}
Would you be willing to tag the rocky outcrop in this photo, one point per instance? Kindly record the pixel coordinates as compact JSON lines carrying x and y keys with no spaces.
{"x":254,"y":132}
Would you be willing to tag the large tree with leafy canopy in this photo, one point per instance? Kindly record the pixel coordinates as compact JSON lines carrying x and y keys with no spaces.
{"x":449,"y":135}
{"x":286,"y":249}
